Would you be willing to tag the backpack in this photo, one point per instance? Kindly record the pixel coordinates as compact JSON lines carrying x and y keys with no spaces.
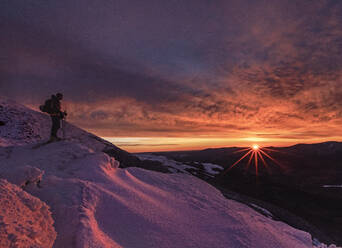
{"x":47,"y":107}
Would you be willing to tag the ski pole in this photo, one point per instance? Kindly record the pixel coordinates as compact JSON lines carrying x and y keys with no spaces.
{"x":63,"y":126}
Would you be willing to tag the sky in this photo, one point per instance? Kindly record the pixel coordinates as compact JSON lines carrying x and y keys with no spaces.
{"x":171,"y":75}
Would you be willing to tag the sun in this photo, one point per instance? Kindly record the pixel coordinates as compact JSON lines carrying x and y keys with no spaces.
{"x":255,"y":147}
{"x":256,"y":153}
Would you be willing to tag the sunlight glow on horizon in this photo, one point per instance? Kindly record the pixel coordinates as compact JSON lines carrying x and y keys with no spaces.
{"x":157,"y":144}
{"x":149,"y":144}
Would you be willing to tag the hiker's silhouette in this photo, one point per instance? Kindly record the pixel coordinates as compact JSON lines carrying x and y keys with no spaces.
{"x":52,"y":106}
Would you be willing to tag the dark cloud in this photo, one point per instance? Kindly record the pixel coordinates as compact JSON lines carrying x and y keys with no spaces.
{"x":38,"y":63}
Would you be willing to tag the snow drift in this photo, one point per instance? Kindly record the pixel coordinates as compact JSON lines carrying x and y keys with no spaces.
{"x":96,"y":204}
{"x":25,"y":221}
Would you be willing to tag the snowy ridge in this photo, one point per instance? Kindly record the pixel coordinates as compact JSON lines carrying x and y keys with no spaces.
{"x":332,"y":186}
{"x":212,"y":169}
{"x":20,"y":125}
{"x":18,"y":128}
{"x":173,"y":166}
{"x":208,"y":169}
{"x":96,"y":204}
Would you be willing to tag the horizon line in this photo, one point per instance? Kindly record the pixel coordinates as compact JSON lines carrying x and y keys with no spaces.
{"x":168,"y":144}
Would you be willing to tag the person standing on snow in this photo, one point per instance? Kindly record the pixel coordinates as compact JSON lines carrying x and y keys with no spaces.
{"x":56,"y":115}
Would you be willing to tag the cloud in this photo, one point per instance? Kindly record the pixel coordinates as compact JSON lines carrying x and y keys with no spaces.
{"x":227,"y":69}
{"x":37,"y":63}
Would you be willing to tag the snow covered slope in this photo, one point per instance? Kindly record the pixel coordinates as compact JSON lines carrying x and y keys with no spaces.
{"x":96,"y":204}
{"x":20,"y":125}
{"x":25,"y":220}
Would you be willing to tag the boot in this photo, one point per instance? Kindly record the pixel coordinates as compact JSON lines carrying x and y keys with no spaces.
{"x":53,"y":139}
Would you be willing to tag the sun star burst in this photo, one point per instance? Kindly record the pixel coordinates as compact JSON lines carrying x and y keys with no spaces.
{"x":255,"y":154}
